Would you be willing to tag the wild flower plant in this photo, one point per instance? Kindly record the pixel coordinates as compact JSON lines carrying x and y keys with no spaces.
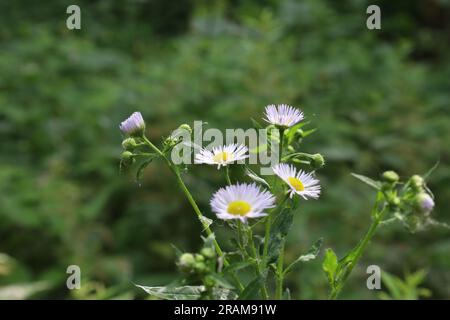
{"x":260,"y":212}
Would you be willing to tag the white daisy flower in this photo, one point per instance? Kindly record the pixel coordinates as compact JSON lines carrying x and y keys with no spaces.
{"x":241,"y":201}
{"x":222,"y":155}
{"x":133,"y":125}
{"x":301,"y":182}
{"x":283,"y":115}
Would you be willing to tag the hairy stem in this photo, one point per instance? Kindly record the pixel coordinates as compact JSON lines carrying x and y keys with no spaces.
{"x":280,"y":274}
{"x":377,"y":219}
{"x":194,"y":205}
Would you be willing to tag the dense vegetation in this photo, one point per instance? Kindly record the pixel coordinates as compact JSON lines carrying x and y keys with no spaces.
{"x":380,"y":98}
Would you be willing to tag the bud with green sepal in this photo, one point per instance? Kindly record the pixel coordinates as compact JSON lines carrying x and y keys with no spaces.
{"x":390,"y":176}
{"x":317,"y":161}
{"x":186,"y":262}
{"x":129,"y":144}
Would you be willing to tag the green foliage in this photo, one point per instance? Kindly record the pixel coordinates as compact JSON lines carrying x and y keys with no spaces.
{"x":404,"y":289}
{"x":379,"y":99}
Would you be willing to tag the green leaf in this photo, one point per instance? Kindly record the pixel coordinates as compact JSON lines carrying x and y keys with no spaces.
{"x":187,"y":292}
{"x":209,"y":240}
{"x":252,"y":290}
{"x":287,"y":294}
{"x":312,"y":253}
{"x":143,"y":165}
{"x":278,"y":232}
{"x":367,"y":180}
{"x":238,"y":266}
{"x":329,"y":265}
{"x":175,"y":293}
{"x":206,"y":222}
{"x":256,"y":124}
{"x":309,"y":132}
{"x":255,"y":177}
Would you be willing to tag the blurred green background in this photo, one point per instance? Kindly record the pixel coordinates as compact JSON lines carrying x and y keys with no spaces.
{"x":380,"y":100}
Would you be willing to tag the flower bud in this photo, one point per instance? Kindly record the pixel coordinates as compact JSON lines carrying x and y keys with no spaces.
{"x":200,"y":267}
{"x":199,"y":258}
{"x":208,"y":253}
{"x":424,"y":202}
{"x":127,"y":158}
{"x":317,"y":161}
{"x":129,"y":144}
{"x":417,"y":182}
{"x":186,"y":262}
{"x":134,"y":125}
{"x":390,"y":176}
{"x":186,"y":127}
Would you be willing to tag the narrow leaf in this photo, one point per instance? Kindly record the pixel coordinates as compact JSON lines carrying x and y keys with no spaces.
{"x":367,"y":180}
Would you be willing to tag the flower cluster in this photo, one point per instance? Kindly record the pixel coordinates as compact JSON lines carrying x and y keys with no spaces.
{"x":243,"y":201}
{"x":212,"y":273}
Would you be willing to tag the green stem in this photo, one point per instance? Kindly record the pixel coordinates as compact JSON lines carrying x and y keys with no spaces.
{"x":280,"y":274}
{"x":227,"y":175}
{"x":255,"y":254}
{"x":194,"y":206}
{"x":378,"y":217}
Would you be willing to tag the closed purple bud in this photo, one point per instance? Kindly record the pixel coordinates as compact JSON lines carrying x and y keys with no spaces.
{"x":425,"y":202}
{"x":134,"y":125}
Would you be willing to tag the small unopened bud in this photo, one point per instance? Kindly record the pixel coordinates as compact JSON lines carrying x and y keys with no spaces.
{"x":199,"y":258}
{"x":127,"y":158}
{"x":390,"y":176}
{"x":200,"y":267}
{"x":417,"y":182}
{"x":129,"y":144}
{"x":394,"y":201}
{"x":317,"y":161}
{"x":424,"y":203}
{"x":186,"y":262}
{"x":208,"y":253}
{"x":186,"y":127}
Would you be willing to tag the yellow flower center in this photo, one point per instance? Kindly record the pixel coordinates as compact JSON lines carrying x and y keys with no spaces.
{"x":296,"y":184}
{"x":222,"y":157}
{"x":239,"y":208}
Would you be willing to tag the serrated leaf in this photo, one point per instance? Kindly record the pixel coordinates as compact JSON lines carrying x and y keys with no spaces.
{"x":329,"y":265}
{"x":368,"y":181}
{"x":252,"y":290}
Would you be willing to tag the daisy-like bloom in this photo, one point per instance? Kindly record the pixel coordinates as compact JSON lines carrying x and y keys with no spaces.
{"x":134,"y":125}
{"x":222,"y":155}
{"x":241,"y":201}
{"x":283,"y":115}
{"x":301,"y":182}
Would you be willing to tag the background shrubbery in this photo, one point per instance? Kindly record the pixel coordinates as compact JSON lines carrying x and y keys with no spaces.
{"x":380,"y":100}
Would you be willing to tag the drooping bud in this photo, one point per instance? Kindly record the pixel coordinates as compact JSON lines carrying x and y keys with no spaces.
{"x":424,"y":203}
{"x":317,"y":161}
{"x":126,"y":158}
{"x":129,"y":144}
{"x":134,"y":125}
{"x":390,"y":176}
